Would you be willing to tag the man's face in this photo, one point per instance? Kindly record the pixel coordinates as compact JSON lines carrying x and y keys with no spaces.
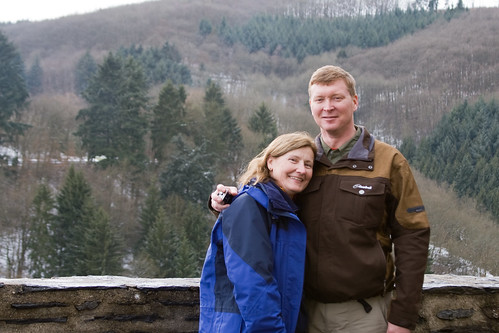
{"x":332,"y":106}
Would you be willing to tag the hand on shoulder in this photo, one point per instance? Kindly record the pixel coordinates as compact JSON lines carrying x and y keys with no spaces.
{"x":217,"y":200}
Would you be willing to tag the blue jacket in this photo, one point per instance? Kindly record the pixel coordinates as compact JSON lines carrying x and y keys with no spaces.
{"x":252,"y":278}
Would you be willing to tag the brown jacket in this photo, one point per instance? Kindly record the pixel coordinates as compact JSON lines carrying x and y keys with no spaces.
{"x":355,"y":212}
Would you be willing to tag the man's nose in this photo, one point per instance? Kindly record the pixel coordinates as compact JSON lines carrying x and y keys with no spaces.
{"x":328,"y":104}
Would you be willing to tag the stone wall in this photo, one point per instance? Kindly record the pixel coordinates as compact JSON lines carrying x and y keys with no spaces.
{"x":453,"y":304}
{"x":458,"y":304}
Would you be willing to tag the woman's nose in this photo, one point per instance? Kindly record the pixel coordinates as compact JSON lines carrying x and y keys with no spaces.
{"x":300,"y":167}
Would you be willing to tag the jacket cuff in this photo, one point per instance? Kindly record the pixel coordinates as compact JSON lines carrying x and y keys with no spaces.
{"x":402,"y":318}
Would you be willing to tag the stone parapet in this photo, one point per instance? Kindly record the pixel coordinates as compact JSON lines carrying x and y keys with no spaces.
{"x":451,"y":303}
{"x":458,"y":304}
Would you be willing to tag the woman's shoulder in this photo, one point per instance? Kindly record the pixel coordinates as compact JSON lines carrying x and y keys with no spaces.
{"x":242,"y":202}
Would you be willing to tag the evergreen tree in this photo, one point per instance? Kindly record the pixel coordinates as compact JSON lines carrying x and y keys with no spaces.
{"x":204,"y":28}
{"x":196,"y":226}
{"x":162,"y":246}
{"x":213,"y":107}
{"x":41,"y":241}
{"x":132,"y":123}
{"x":73,"y":202}
{"x":167,"y":119}
{"x":301,"y":35}
{"x":263,"y":122}
{"x":222,"y":133}
{"x":148,"y":215}
{"x":225,"y":33}
{"x":102,"y":252}
{"x":464,"y":179}
{"x":186,"y":264}
{"x":463,"y":152}
{"x":433,"y":5}
{"x":160,"y":64}
{"x":189,"y":174}
{"x":194,"y":222}
{"x":85,"y":70}
{"x":114,"y":125}
{"x":34,"y":78}
{"x":13,"y":91}
{"x":408,"y":148}
{"x":99,"y":120}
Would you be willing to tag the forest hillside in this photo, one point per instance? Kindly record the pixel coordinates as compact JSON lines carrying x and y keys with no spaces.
{"x":212,"y":82}
{"x":404,"y":87}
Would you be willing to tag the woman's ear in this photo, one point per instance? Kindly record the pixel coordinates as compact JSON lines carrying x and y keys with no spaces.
{"x":270,"y":162}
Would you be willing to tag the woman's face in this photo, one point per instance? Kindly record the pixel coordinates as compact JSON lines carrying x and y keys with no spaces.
{"x":292,"y":171}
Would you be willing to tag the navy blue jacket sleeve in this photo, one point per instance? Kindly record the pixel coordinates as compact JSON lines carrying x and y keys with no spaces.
{"x":249,"y":260}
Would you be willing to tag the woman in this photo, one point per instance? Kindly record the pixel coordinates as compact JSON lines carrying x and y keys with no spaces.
{"x":252,"y":277}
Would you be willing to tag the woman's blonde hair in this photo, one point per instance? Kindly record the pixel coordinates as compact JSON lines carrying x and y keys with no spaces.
{"x":257,"y":170}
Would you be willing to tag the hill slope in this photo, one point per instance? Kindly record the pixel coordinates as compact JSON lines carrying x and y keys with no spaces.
{"x":404,"y":87}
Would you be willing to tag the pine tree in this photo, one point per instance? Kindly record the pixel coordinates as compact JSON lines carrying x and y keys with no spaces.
{"x":99,"y":120}
{"x":13,"y":91}
{"x":204,"y":28}
{"x":186,"y":263}
{"x":148,"y":215}
{"x":263,"y":122}
{"x":85,"y":70}
{"x":463,"y":152}
{"x":222,"y":133}
{"x":132,"y":123}
{"x":102,"y":248}
{"x":34,"y":78}
{"x":41,"y":241}
{"x":196,"y":226}
{"x":167,"y":119}
{"x":72,"y":206}
{"x":226,"y":33}
{"x":114,"y":125}
{"x":160,"y":64}
{"x":161,"y":246}
{"x":408,"y":148}
{"x":189,"y":174}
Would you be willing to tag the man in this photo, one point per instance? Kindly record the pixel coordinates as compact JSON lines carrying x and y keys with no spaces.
{"x":361,"y":204}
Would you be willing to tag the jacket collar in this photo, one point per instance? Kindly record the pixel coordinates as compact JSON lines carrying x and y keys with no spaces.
{"x":360,"y":157}
{"x":278,"y":200}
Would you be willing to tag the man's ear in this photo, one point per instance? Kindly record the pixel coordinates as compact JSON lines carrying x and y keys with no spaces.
{"x":356,"y":102}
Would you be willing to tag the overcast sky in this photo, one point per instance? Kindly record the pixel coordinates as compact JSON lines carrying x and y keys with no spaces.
{"x":36,"y":10}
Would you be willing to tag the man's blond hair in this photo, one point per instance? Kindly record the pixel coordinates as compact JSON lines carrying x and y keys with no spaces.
{"x":328,"y":74}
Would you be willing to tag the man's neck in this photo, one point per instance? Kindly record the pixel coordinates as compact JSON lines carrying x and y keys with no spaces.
{"x":337,"y":139}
